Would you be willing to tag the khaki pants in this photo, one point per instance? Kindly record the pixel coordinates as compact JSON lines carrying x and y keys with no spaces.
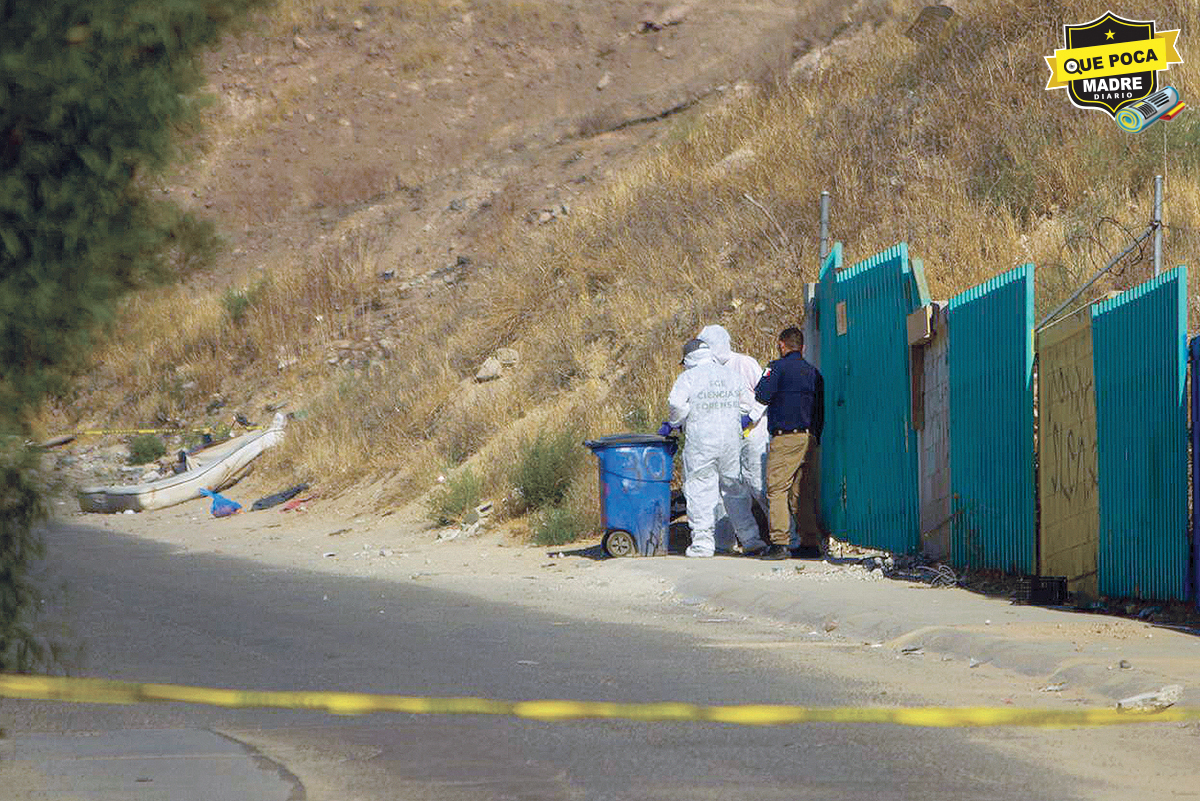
{"x":791,"y":487}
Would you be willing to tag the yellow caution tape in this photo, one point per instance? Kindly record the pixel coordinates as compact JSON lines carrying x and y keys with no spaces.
{"x":103,"y":691}
{"x":125,"y":431}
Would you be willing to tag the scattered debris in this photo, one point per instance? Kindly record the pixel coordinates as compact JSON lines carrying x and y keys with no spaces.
{"x":490,"y":370}
{"x":329,"y":554}
{"x":603,"y":82}
{"x":221,"y":506}
{"x":296,"y":504}
{"x":1041,"y":590}
{"x":508,"y":357}
{"x":912,"y":650}
{"x":527,"y":662}
{"x":277,"y":498}
{"x":830,"y":625}
{"x":974,"y":663}
{"x":1053,"y":688}
{"x":54,"y":442}
{"x":675,"y":15}
{"x":1124,"y":664}
{"x":1152,"y":701}
{"x":340,"y":531}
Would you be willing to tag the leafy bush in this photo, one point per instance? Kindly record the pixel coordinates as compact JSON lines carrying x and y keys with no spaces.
{"x":22,"y":505}
{"x":452,"y":501}
{"x":559,"y":525}
{"x":94,"y":96}
{"x":545,"y":468}
{"x":146,"y":448}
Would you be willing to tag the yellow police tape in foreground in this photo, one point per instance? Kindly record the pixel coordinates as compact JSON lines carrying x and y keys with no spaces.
{"x":101,"y":691}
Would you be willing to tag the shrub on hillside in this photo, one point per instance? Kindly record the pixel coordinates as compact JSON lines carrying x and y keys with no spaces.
{"x":451,"y":502}
{"x":576,"y":517}
{"x":238,"y":302}
{"x":559,"y":525}
{"x":545,"y":467}
{"x":146,"y":448}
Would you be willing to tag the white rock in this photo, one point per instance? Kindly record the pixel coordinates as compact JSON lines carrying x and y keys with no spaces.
{"x":490,"y":370}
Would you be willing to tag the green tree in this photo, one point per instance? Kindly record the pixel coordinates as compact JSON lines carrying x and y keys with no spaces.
{"x":93,"y":95}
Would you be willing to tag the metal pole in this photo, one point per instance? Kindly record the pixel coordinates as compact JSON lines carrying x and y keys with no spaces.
{"x":1156,"y":224}
{"x":824,"y":224}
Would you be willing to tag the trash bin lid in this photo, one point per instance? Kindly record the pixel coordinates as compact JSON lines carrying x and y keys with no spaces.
{"x":614,"y":440}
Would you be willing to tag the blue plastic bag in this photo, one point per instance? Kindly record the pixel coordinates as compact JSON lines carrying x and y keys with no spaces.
{"x":221,"y":506}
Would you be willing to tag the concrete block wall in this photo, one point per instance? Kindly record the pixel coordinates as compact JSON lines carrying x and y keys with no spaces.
{"x":933,"y":441}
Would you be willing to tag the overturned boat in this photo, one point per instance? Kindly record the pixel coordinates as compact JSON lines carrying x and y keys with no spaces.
{"x":211,"y":469}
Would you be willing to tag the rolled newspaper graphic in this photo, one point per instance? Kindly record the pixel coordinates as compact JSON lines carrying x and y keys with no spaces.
{"x":1137,"y":116}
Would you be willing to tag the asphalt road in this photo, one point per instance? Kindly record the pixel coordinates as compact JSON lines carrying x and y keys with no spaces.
{"x":142,"y":612}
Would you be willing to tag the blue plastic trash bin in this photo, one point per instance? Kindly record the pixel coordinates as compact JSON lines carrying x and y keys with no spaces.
{"x":635,"y":492}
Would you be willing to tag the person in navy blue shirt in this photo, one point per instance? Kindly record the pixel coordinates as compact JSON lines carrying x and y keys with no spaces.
{"x":794,"y":394}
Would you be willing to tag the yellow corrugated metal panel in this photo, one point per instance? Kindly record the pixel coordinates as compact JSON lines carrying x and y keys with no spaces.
{"x":1067,"y":484}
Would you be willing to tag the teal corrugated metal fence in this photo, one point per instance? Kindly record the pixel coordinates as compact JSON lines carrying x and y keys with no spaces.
{"x":1139,"y":341}
{"x":990,"y":363}
{"x":869,"y":487}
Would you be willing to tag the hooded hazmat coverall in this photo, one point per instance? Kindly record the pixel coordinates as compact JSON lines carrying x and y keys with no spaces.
{"x":706,"y":402}
{"x":754,"y":444}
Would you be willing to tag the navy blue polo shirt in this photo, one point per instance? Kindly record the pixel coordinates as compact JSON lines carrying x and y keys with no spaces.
{"x":794,"y":394}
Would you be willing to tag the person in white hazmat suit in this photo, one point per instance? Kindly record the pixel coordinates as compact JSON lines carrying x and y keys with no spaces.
{"x":754,"y":438}
{"x":706,"y":402}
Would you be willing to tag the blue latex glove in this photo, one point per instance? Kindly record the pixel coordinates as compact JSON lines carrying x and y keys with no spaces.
{"x":665,"y":430}
{"x":746,"y":422}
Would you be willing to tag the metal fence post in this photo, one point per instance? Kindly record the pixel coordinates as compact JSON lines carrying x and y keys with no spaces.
{"x":824,"y":224}
{"x":1156,"y":224}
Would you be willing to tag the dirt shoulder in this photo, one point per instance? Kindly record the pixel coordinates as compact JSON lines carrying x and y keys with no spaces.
{"x":1095,"y":658}
{"x":771,"y":612}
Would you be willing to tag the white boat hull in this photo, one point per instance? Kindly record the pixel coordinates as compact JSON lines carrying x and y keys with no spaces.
{"x":212,"y":469}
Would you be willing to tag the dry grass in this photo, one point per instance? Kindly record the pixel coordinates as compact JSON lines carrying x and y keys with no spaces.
{"x":957,"y":150}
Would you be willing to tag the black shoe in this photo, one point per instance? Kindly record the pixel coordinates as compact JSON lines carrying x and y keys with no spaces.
{"x":756,"y":552}
{"x":807,"y":552}
{"x":775,"y":552}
